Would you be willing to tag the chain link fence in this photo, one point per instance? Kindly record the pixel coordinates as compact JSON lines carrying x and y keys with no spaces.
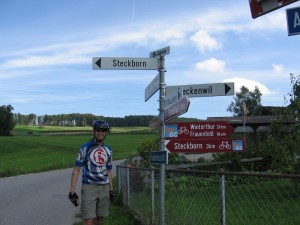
{"x":207,"y":198}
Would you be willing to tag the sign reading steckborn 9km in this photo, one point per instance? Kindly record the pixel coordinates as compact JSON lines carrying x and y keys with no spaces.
{"x":205,"y":145}
{"x":198,"y":130}
{"x":127,"y":63}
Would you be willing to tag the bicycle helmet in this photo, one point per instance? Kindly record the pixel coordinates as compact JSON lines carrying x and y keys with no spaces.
{"x":101,"y":124}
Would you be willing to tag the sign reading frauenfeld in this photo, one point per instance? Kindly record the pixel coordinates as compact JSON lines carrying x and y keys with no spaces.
{"x":198,"y":130}
{"x":205,"y":145}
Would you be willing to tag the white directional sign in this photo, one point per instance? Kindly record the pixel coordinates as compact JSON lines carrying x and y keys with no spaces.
{"x":152,"y":88}
{"x":160,"y":52}
{"x":202,"y":90}
{"x":118,"y":63}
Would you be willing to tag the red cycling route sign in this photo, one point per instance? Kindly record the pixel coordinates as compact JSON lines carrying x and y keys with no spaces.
{"x":198,"y":130}
{"x":202,"y":137}
{"x":205,"y":145}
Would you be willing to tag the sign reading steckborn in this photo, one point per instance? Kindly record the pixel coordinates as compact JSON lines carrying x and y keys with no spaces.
{"x":205,"y":145}
{"x":293,"y":21}
{"x":120,"y":63}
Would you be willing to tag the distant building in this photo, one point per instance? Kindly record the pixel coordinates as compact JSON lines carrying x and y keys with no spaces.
{"x":261,"y":123}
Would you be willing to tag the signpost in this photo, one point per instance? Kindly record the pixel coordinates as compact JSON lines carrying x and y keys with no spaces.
{"x":159,"y":55}
{"x":201,"y":90}
{"x":127,"y":63}
{"x":205,"y":145}
{"x":261,"y":7}
{"x":293,"y":21}
{"x":198,"y":130}
{"x":155,"y":62}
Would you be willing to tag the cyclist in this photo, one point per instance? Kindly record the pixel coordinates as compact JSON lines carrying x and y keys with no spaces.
{"x":95,"y":159}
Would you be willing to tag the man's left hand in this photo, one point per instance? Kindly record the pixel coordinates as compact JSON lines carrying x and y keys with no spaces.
{"x":111,"y":196}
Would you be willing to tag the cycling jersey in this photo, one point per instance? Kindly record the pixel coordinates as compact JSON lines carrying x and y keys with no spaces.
{"x":95,"y":161}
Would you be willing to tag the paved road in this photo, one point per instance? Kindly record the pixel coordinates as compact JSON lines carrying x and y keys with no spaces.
{"x":38,"y":199}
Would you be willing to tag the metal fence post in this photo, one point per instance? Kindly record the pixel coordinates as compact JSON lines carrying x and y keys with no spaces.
{"x":128,"y":187}
{"x":223,"y":209}
{"x":152,"y":198}
{"x":119,"y":179}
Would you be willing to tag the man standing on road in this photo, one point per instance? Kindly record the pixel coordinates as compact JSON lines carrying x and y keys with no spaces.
{"x":95,"y":159}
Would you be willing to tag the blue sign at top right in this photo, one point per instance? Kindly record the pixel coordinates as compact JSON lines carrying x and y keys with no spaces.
{"x":293,"y":21}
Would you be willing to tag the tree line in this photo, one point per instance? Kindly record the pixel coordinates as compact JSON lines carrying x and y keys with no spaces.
{"x":80,"y":120}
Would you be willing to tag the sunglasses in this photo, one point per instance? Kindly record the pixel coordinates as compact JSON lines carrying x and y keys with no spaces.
{"x":101,"y":130}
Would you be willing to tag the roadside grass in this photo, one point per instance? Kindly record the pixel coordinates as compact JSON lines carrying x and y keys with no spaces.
{"x":33,"y":149}
{"x":253,"y":203}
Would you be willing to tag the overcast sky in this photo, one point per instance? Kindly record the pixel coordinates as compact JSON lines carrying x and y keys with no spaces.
{"x":47,"y":49}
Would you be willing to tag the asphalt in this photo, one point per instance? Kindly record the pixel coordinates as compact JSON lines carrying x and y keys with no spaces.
{"x":39,"y":199}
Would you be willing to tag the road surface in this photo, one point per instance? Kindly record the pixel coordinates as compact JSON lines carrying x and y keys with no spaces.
{"x":38,"y":199}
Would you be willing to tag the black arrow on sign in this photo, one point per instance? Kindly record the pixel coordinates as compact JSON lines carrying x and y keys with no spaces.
{"x":98,"y":63}
{"x":227,"y":89}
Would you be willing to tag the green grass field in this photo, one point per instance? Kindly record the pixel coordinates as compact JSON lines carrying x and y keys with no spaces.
{"x":34,"y":149}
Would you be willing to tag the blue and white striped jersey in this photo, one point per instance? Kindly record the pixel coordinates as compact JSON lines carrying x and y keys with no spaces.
{"x":95,"y":161}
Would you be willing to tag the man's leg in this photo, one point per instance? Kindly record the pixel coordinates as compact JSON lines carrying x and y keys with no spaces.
{"x":88,"y":222}
{"x":99,"y":220}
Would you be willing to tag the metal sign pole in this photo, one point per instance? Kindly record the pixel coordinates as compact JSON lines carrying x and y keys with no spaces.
{"x":162,"y":93}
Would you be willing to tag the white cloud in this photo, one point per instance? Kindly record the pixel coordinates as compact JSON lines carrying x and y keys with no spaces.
{"x":204,"y":41}
{"x":211,"y":65}
{"x":171,"y":35}
{"x":278,"y":68}
{"x":272,"y":21}
{"x":250,"y":84}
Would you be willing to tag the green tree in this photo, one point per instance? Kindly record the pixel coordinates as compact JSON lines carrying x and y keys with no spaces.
{"x":246,"y":101}
{"x":7,"y":121}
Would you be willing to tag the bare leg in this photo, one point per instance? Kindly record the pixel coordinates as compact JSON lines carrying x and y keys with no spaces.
{"x":99,"y":220}
{"x":89,"y":222}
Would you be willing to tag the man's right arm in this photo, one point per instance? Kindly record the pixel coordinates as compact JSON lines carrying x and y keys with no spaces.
{"x":75,"y":175}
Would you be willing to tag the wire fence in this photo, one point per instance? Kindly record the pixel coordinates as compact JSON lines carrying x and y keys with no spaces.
{"x":207,"y":198}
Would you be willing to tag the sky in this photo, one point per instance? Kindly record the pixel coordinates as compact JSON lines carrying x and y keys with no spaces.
{"x":47,"y":49}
